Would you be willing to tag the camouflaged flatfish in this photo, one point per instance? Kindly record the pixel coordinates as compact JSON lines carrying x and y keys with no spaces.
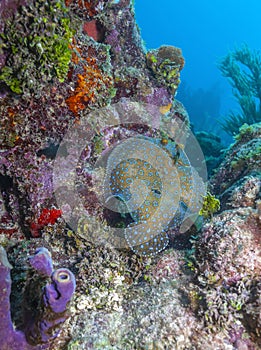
{"x":156,"y":183}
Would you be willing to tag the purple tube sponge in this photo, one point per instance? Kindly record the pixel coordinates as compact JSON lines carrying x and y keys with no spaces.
{"x":9,"y":337}
{"x":56,"y":296}
{"x":5,"y":282}
{"x":59,"y":292}
{"x":46,"y":295}
{"x":43,"y":315}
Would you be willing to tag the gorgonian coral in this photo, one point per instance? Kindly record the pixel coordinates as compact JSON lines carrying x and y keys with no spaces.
{"x":242,"y":67}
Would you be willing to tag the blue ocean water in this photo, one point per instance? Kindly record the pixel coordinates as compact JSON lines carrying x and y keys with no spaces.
{"x":205,"y":31}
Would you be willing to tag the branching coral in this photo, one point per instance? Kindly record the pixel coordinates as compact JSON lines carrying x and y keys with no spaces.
{"x":243,"y":69}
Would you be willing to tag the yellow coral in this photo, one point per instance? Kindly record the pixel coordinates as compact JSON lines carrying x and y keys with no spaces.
{"x":210,"y":205}
{"x":165,"y":109}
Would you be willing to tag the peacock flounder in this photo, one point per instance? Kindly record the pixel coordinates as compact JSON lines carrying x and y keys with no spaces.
{"x":153,"y":181}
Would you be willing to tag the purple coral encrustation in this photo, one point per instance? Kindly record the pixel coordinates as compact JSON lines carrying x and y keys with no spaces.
{"x":113,"y":40}
{"x":41,"y":324}
{"x":158,"y":97}
{"x":7,"y":7}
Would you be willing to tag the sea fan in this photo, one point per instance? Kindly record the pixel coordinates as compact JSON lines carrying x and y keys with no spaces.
{"x":242,"y":67}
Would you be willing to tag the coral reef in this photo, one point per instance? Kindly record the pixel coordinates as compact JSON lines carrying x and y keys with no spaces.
{"x":228,"y":262}
{"x":227,"y":252}
{"x":33,"y":125}
{"x":77,"y":86}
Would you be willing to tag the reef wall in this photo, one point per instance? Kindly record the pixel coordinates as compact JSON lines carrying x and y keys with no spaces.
{"x":99,"y":169}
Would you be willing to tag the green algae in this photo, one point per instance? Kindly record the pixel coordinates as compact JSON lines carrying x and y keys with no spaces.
{"x":210,"y":205}
{"x":36,"y":41}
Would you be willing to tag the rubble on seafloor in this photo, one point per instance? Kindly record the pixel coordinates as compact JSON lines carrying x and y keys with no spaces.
{"x":69,"y":60}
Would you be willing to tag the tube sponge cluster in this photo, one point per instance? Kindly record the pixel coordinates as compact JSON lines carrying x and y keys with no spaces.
{"x":46,"y":296}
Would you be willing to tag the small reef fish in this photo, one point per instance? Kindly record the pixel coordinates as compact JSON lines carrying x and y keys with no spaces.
{"x":155,"y":182}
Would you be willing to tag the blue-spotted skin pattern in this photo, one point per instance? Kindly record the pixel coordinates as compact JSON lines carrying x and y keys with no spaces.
{"x":124,"y":176}
{"x":157,"y":190}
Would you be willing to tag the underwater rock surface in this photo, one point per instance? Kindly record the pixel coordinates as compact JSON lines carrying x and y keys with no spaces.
{"x":81,"y":66}
{"x":237,"y":180}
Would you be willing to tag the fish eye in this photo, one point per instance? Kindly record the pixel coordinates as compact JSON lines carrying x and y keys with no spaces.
{"x":156,"y":191}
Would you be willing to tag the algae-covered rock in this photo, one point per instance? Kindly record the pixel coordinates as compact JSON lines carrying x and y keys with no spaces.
{"x":240,"y":172}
